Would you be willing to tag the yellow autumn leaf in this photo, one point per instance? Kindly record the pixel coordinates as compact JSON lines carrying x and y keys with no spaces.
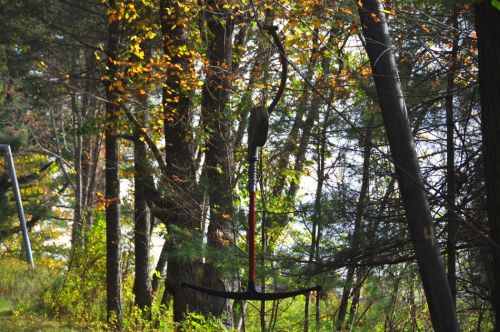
{"x":150,"y":35}
{"x":388,"y":12}
{"x":365,"y":71}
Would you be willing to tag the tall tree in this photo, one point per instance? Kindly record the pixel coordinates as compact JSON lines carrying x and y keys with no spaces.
{"x":143,"y":182}
{"x":390,"y":95}
{"x":357,"y":234}
{"x":142,"y":225}
{"x":219,"y":150}
{"x":113,"y":238}
{"x":181,"y":217}
{"x":488,"y":35}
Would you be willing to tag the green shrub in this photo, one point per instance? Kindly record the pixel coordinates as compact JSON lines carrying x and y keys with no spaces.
{"x":79,"y":294}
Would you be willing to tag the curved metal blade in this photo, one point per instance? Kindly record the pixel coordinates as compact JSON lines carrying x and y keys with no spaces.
{"x":251,"y":293}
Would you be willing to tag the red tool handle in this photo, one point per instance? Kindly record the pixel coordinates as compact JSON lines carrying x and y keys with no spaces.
{"x":251,"y":238}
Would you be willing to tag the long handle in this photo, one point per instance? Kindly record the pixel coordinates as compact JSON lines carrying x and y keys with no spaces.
{"x":252,"y":180}
{"x":19,"y":203}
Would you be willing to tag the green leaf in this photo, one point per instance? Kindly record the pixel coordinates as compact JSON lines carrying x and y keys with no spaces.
{"x":496,"y":4}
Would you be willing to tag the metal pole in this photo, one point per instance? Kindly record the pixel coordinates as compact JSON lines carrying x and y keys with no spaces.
{"x":19,"y":203}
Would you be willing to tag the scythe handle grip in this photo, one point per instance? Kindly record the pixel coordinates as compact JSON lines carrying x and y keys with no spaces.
{"x":252,"y":185}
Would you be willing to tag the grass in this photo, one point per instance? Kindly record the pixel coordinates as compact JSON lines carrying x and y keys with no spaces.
{"x":20,"y":289}
{"x":23,"y":323}
{"x":6,"y":307}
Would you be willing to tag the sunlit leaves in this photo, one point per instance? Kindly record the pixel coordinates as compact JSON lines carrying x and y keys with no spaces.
{"x":495,"y":4}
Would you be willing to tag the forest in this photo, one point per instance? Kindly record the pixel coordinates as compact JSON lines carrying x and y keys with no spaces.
{"x":249,"y":165}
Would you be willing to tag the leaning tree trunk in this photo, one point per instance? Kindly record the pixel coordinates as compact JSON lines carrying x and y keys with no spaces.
{"x":417,"y":210}
{"x":488,"y":33}
{"x":113,"y":251}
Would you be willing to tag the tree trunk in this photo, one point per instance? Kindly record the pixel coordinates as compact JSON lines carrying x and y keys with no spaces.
{"x":160,"y":267}
{"x":180,"y":211}
{"x":488,"y":34}
{"x":306,"y":312}
{"x":361,"y":274}
{"x":184,"y":299}
{"x":344,"y":300}
{"x":357,"y":232}
{"x":143,"y":185}
{"x":411,"y":302}
{"x":113,"y":239}
{"x":142,"y":281}
{"x":418,"y":214}
{"x":93,"y":179}
{"x":76,"y":234}
{"x":219,"y":151}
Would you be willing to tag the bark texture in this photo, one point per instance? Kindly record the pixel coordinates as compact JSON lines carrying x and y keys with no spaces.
{"x":113,"y":250}
{"x":142,"y":281}
{"x":180,"y":206}
{"x":488,"y":34}
{"x":403,"y":151}
{"x":219,"y":151}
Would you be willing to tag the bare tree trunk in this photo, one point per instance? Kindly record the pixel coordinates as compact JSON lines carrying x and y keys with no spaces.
{"x":113,"y":238}
{"x":76,"y":234}
{"x":306,"y":312}
{"x":93,"y":179}
{"x":274,"y":315}
{"x":344,"y":300}
{"x":317,"y":311}
{"x":488,"y":33}
{"x":142,"y":281}
{"x":160,"y":267}
{"x":357,"y":232}
{"x":392,"y":104}
{"x":361,"y":274}
{"x":411,"y":300}
{"x":314,"y":253}
{"x":91,"y":144}
{"x":239,"y":313}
